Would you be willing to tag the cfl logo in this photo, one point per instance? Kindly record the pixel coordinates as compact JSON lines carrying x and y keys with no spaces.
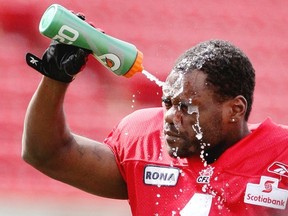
{"x":268,"y":186}
{"x":66,"y":35}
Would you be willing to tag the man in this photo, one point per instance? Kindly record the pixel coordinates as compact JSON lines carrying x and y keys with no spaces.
{"x":195,"y":156}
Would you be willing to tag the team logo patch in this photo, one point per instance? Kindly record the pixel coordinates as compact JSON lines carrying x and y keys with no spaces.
{"x":266,"y":193}
{"x":205,"y":175}
{"x":278,"y":168}
{"x":161,"y":176}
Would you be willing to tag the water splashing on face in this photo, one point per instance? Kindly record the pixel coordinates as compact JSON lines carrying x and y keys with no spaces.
{"x":196,"y":127}
{"x":175,"y":89}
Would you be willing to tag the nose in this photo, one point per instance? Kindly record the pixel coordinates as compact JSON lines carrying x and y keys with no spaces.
{"x":172,"y":115}
{"x":168,"y":115}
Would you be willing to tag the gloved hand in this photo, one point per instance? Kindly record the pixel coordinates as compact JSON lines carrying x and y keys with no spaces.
{"x":60,"y":61}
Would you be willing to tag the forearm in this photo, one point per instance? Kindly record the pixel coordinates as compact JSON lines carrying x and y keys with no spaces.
{"x":45,"y":131}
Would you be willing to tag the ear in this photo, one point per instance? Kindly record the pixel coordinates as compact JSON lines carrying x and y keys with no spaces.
{"x":236,"y":109}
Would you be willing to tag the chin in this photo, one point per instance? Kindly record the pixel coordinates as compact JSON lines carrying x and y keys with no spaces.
{"x":182,"y":150}
{"x":180,"y":153}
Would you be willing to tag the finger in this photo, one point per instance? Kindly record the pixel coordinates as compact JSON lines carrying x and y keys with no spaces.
{"x":81,"y":15}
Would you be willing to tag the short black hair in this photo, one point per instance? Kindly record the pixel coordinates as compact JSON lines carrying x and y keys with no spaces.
{"x":228,"y":69}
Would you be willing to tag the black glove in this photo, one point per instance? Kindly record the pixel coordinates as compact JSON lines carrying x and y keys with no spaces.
{"x":60,"y":61}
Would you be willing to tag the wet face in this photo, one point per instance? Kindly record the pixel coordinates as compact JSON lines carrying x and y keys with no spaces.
{"x":192,"y":119}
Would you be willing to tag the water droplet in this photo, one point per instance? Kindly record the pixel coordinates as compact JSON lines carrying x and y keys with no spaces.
{"x":192,"y":109}
{"x":175,"y":151}
{"x":220,"y":207}
{"x":133,"y":101}
{"x":199,"y":136}
{"x":205,"y":164}
{"x":204,"y":188}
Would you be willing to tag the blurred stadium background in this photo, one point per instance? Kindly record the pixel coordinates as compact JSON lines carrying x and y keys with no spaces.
{"x":98,"y":99}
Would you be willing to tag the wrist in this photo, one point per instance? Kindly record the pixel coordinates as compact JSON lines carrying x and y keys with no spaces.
{"x":53,"y":87}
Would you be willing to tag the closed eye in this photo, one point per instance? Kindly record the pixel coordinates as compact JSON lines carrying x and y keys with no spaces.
{"x":183,"y":107}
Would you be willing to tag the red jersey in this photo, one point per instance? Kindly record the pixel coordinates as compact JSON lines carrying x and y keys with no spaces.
{"x":249,"y":178}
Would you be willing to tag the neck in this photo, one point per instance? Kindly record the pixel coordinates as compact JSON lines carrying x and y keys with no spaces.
{"x":215,"y":152}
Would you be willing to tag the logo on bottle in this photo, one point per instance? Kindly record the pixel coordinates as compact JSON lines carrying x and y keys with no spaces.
{"x":111,"y":61}
{"x":67,"y":35}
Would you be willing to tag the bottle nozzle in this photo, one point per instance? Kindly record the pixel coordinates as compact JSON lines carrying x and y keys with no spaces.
{"x":137,"y":66}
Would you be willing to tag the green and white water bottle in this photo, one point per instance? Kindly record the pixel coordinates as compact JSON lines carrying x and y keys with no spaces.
{"x":120,"y":57}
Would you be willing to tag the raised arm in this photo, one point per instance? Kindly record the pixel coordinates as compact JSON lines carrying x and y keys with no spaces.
{"x":50,"y":146}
